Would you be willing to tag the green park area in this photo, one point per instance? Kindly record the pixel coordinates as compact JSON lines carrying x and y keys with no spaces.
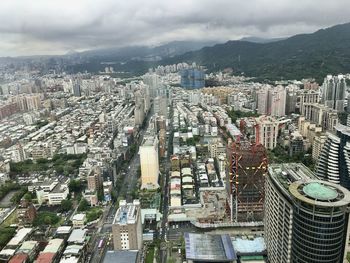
{"x":6,"y":233}
{"x":92,"y":213}
{"x":17,"y":190}
{"x":62,"y":163}
{"x":237,"y":114}
{"x":46,"y":218}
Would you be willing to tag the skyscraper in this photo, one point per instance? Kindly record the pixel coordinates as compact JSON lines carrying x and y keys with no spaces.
{"x":291,"y":99}
{"x":305,"y":218}
{"x":333,"y":92}
{"x":139,"y":111}
{"x":334,"y":161}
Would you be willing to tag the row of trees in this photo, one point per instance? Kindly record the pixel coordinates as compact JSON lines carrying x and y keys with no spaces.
{"x":46,"y":218}
{"x":237,"y":114}
{"x":8,"y":187}
{"x":280,"y":155}
{"x":6,"y":233}
{"x":62,"y":163}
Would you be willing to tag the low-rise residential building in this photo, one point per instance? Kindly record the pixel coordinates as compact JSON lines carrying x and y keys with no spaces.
{"x":26,"y":213}
{"x":51,"y":252}
{"x":91,"y":197}
{"x":78,"y":220}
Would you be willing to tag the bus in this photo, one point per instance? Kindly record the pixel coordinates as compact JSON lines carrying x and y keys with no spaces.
{"x":100,"y":244}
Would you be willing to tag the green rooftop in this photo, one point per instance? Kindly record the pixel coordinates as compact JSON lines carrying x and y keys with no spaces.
{"x":319,"y":191}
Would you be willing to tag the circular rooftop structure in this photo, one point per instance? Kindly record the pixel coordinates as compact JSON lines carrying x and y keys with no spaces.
{"x":319,"y":191}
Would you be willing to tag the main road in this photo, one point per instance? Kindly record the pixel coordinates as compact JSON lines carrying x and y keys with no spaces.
{"x":165,"y":208}
{"x":128,"y":185}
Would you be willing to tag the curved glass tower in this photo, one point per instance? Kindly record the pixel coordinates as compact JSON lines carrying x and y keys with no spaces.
{"x":306,"y":219}
{"x":319,"y":221}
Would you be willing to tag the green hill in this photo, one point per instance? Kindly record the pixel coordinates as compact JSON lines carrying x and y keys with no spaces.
{"x":327,"y":51}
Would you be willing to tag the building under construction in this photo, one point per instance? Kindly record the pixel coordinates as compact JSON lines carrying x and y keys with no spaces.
{"x":247,"y":169}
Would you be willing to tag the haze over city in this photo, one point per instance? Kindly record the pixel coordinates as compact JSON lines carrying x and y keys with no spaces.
{"x":56,"y":27}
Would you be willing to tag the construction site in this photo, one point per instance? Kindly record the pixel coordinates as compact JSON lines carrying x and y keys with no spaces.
{"x":247,"y":168}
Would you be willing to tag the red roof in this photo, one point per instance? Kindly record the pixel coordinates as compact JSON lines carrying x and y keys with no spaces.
{"x":19,"y":258}
{"x":45,"y":257}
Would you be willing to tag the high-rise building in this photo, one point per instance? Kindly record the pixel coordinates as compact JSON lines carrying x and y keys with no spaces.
{"x":262,"y":100}
{"x":192,"y":78}
{"x":139,"y":111}
{"x":247,"y":169}
{"x":291,"y":99}
{"x":160,"y":105}
{"x":76,"y":89}
{"x":334,"y":161}
{"x":127,"y":226}
{"x":320,"y":115}
{"x":305,"y":218}
{"x":277,"y":101}
{"x":271,"y":100}
{"x":154,"y":82}
{"x":139,"y":114}
{"x":266,"y":131}
{"x":333,"y":92}
{"x":317,"y":146}
{"x":149,"y":160}
{"x":308,"y":97}
{"x":94,"y":179}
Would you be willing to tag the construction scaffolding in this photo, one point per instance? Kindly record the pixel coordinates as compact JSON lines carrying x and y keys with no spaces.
{"x":247,"y":169}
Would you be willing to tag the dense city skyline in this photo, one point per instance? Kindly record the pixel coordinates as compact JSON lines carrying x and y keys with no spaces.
{"x":174,"y":132}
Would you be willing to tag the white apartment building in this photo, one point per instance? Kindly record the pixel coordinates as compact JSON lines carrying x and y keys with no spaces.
{"x":149,"y":160}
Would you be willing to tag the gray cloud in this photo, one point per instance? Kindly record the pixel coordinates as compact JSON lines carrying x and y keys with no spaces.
{"x":51,"y":27}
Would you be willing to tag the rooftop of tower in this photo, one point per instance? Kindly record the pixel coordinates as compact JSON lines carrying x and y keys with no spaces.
{"x":126,"y":213}
{"x":287,"y":173}
{"x":320,"y":193}
{"x":298,"y":181}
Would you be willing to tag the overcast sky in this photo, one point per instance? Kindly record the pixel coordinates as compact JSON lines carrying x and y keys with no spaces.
{"x":57,"y":26}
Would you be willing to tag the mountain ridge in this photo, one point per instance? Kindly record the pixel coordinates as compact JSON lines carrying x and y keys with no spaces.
{"x":326,"y":51}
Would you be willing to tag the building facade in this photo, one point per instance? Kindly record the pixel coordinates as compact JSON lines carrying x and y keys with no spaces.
{"x":317,"y":146}
{"x":192,"y":78}
{"x":149,"y":160}
{"x":266,"y":131}
{"x":306,"y":219}
{"x":127,"y":227}
{"x":333,"y":92}
{"x":333,"y":164}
